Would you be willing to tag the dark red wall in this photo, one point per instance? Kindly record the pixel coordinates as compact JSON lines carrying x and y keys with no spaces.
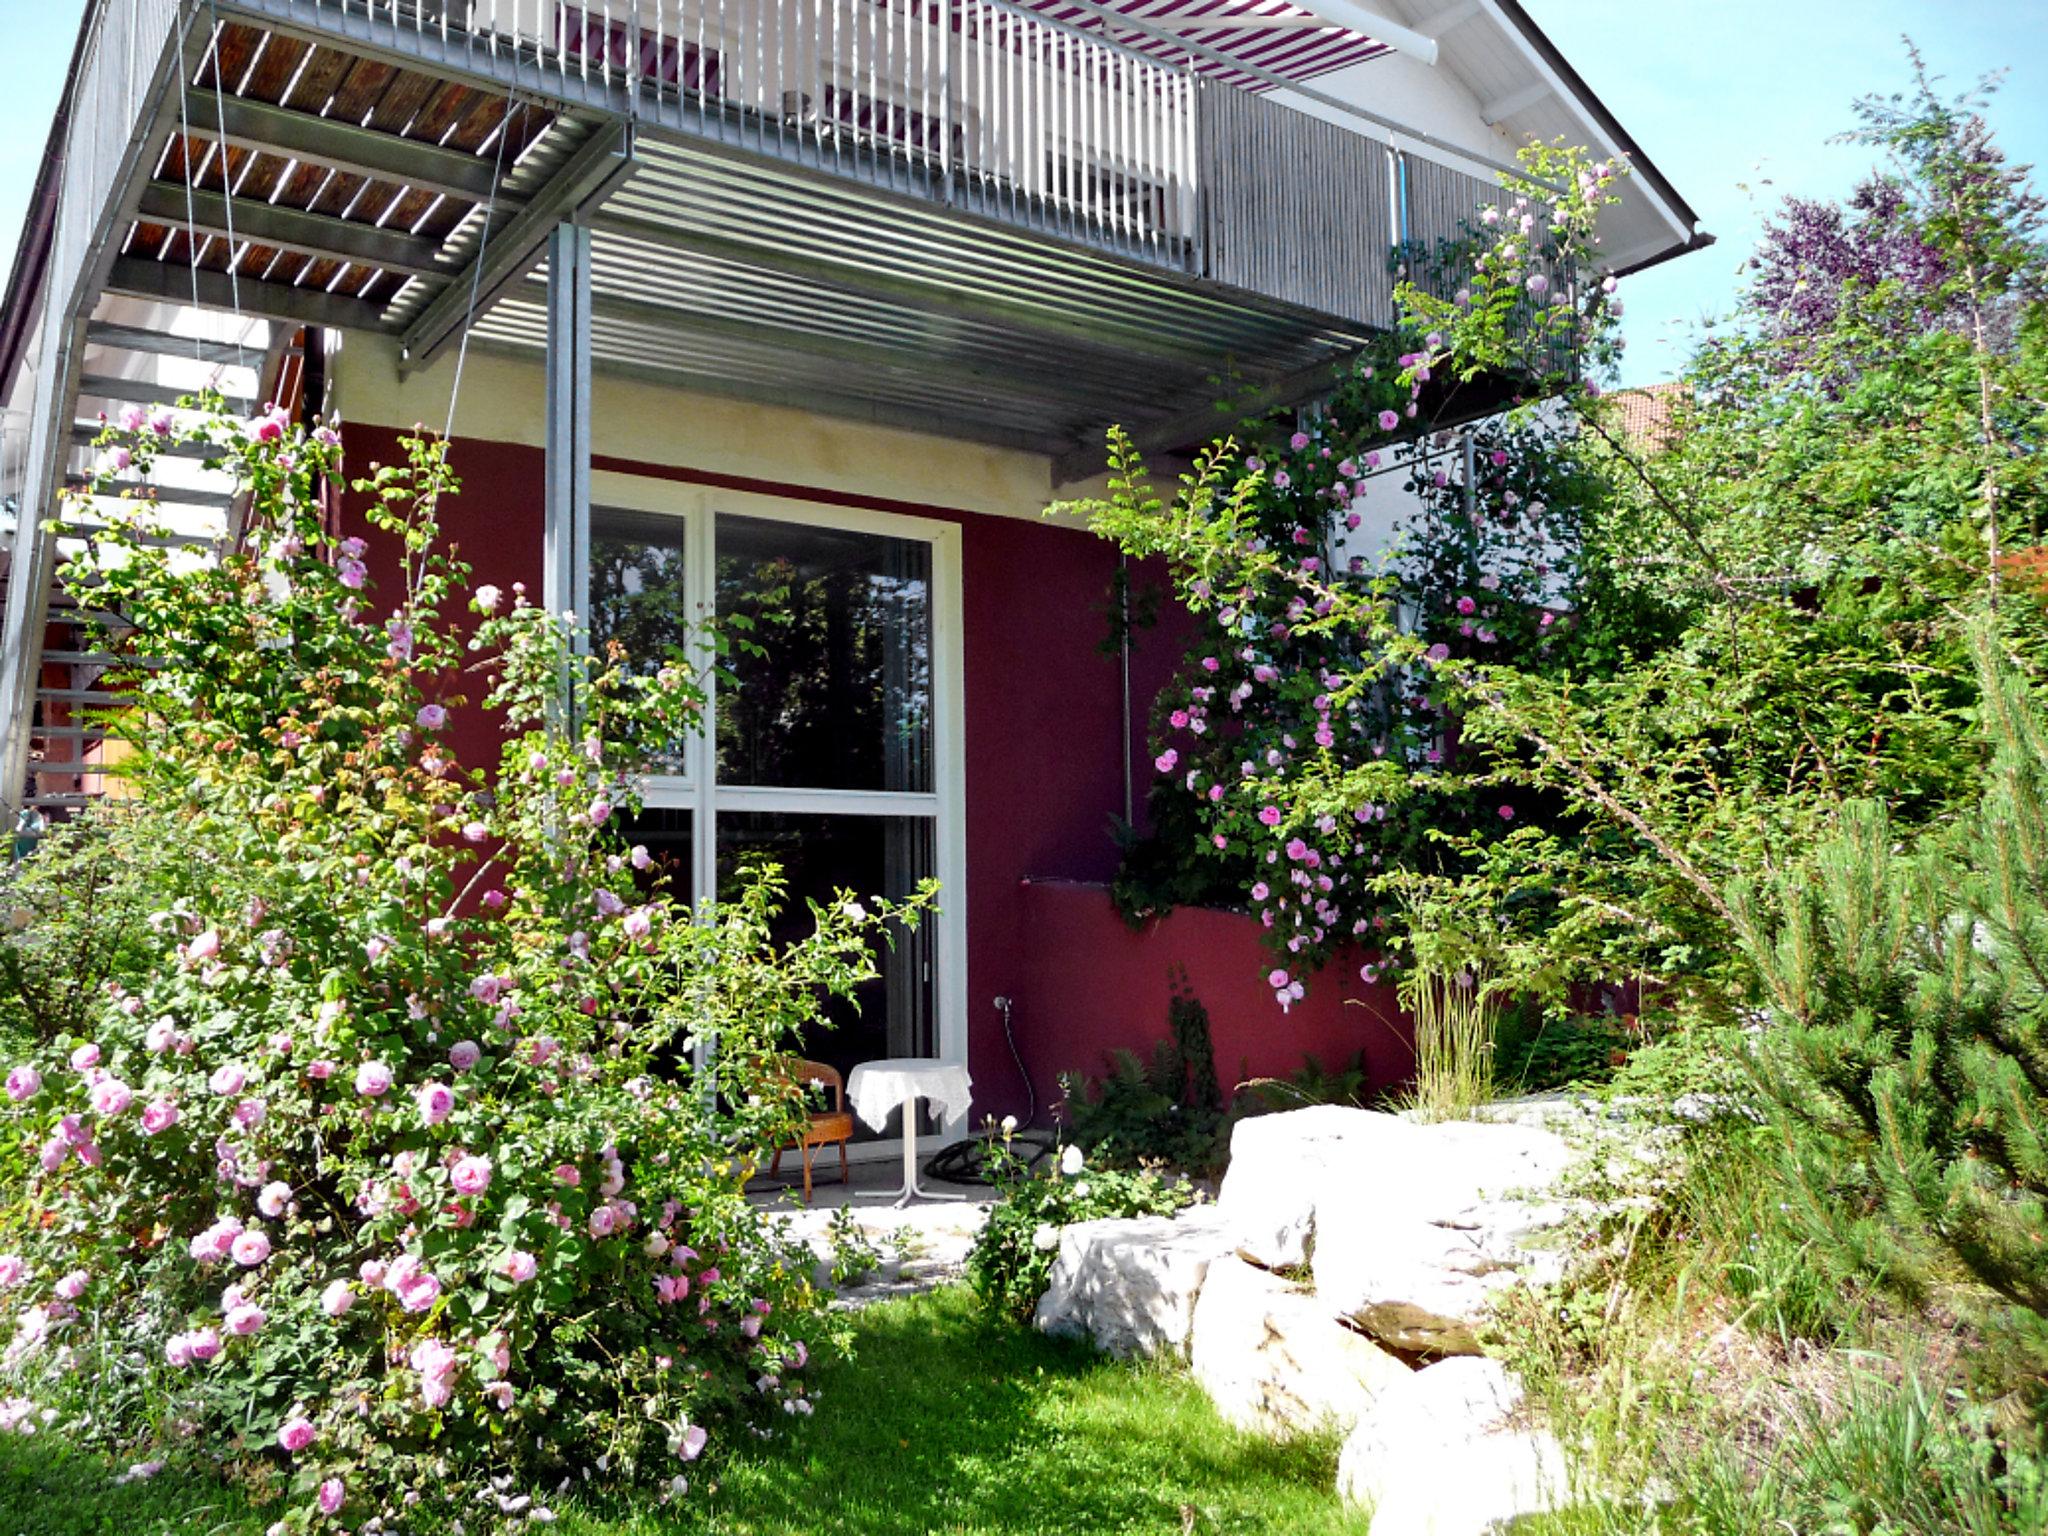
{"x":1044,"y":702}
{"x":1093,"y":984}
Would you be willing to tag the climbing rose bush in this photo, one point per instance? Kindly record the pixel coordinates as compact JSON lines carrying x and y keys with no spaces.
{"x":395,"y":1157}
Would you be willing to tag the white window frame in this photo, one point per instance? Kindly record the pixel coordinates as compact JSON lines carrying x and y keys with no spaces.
{"x":697,"y":508}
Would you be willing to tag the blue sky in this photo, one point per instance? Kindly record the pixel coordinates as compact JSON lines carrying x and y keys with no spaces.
{"x":1733,"y":99}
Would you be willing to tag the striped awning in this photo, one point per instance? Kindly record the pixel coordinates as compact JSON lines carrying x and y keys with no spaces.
{"x":1278,"y":41}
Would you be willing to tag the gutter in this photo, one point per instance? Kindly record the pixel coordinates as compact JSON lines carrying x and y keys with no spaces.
{"x":32,"y":253}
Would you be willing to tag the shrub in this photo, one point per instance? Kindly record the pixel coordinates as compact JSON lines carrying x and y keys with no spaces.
{"x":395,"y":1158}
{"x":1907,"y":1056}
{"x":1167,"y":1110}
{"x":1011,"y":1262}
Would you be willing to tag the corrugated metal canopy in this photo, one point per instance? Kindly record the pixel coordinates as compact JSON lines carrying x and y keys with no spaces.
{"x":748,"y":279}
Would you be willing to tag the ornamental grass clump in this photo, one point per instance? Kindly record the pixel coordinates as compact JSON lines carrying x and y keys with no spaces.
{"x":390,"y":1151}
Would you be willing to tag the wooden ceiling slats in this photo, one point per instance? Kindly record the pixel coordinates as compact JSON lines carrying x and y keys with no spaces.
{"x":322,"y":80}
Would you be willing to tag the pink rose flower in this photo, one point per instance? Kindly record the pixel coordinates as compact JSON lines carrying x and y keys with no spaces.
{"x":205,"y":947}
{"x":373,"y":1079}
{"x":11,"y":1270}
{"x":245,"y":1319}
{"x":296,"y":1434}
{"x":471,"y":1175}
{"x":110,"y":1097}
{"x":72,"y":1286}
{"x":333,"y":1493}
{"x":431,"y":717}
{"x":85,"y":1058}
{"x":690,"y":1444}
{"x":337,"y":1298}
{"x":250,"y":1249}
{"x":464,"y":1054}
{"x":436,"y":1102}
{"x":160,"y":1115}
{"x":272,"y":1199}
{"x":519,"y":1266}
{"x":204,"y":1343}
{"x":229,"y":1079}
{"x":24,"y":1083}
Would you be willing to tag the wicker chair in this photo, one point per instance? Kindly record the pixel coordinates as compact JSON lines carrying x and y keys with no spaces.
{"x":828,"y":1127}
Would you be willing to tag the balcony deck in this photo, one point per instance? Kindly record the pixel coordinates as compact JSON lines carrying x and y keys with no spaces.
{"x":958,"y":214}
{"x":1012,"y":221}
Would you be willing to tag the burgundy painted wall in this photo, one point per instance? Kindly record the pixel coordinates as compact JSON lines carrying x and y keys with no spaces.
{"x":1093,"y":984}
{"x":1043,"y":706}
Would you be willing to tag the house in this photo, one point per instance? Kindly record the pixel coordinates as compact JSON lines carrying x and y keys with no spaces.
{"x":807,"y":306}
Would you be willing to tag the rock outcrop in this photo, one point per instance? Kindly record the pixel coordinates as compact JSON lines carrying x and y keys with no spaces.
{"x":1273,"y":1359}
{"x":1439,"y":1454}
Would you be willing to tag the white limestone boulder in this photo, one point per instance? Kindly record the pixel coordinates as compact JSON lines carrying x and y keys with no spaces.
{"x":1274,"y":1360}
{"x":1279,"y":1164}
{"x":1130,"y":1284}
{"x":1439,"y":1455}
{"x":1417,"y":1257}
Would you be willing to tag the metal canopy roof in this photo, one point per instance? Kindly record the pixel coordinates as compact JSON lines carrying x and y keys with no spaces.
{"x":738,"y":277}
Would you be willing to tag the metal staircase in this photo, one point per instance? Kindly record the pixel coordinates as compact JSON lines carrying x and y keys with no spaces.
{"x":129,"y":362}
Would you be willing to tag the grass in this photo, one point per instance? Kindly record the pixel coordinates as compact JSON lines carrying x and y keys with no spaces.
{"x":942,"y":1425}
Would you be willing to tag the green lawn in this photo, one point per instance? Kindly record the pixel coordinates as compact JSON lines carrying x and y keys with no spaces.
{"x":941,"y":1424}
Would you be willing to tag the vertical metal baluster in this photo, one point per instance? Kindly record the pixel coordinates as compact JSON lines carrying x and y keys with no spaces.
{"x":874,"y":87}
{"x":947,"y":46}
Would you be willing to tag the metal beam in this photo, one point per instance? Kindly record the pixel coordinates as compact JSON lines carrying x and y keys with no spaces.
{"x":566,"y":531}
{"x":292,"y":229}
{"x":507,"y":253}
{"x":1377,"y":25}
{"x":168,"y":283}
{"x":341,"y":146}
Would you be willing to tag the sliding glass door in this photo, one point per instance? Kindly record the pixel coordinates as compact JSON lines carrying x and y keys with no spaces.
{"x":829,"y":749}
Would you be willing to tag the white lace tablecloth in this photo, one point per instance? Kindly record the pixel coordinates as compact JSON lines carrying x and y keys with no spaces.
{"x":877,"y":1089}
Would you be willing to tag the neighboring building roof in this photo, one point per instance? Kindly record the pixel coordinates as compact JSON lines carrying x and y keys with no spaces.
{"x":1648,"y":414}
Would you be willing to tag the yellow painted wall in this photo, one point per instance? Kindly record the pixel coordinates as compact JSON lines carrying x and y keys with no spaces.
{"x":503,"y":399}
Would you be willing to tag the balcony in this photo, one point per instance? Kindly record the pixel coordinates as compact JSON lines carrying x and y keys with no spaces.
{"x":968,"y":215}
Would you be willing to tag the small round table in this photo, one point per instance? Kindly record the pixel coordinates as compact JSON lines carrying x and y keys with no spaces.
{"x":877,"y":1089}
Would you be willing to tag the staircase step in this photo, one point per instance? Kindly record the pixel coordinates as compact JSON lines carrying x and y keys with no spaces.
{"x":98,"y":696}
{"x":83,"y":432}
{"x":93,"y":532}
{"x":168,"y":495}
{"x":129,"y":338}
{"x":140,"y":392}
{"x":98,"y":659}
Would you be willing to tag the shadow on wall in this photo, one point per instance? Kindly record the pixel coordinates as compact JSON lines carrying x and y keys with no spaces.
{"x":1092,"y":984}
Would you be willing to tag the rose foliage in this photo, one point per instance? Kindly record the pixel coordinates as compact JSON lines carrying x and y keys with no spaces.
{"x":377,"y":1120}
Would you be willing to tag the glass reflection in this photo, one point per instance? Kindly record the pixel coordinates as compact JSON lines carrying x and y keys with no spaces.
{"x":839,"y":696}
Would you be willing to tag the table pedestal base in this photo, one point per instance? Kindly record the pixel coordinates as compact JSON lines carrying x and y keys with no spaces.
{"x":912,"y":1190}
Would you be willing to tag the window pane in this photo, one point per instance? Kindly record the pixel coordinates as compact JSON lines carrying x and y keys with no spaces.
{"x":667,"y":833}
{"x":841,"y":696}
{"x":868,"y":855}
{"x":637,"y":596}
